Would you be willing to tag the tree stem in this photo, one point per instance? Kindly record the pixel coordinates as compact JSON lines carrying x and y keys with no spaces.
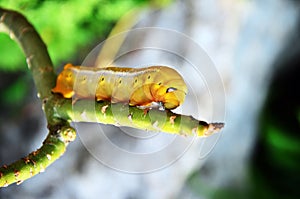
{"x":40,"y":65}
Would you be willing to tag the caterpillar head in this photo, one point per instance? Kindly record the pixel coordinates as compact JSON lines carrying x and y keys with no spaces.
{"x":170,"y":89}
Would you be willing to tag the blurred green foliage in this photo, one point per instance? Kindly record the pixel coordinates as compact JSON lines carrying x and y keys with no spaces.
{"x":15,"y":92}
{"x":69,"y":29}
{"x":275,"y":162}
{"x":65,"y":26}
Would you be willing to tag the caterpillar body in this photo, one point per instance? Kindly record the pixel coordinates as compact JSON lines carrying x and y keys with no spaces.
{"x":136,"y":86}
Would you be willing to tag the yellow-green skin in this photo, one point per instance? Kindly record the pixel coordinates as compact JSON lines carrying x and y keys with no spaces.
{"x":135,"y":86}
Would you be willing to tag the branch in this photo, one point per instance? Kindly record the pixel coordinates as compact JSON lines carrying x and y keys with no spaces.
{"x":53,"y":147}
{"x":40,"y":65}
{"x":123,"y":115}
{"x":37,"y":57}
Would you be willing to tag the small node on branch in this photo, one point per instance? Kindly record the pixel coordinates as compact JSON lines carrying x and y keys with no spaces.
{"x":67,"y":134}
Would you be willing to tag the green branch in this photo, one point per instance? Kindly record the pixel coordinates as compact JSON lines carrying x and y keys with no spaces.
{"x":60,"y":111}
{"x":53,"y":147}
{"x":40,"y":65}
{"x":123,"y":115}
{"x":35,"y":50}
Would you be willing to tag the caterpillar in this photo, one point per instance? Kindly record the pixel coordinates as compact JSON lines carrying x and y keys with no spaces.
{"x":141,"y":87}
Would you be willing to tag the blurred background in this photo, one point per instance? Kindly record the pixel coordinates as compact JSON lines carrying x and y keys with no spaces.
{"x":253,"y":48}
